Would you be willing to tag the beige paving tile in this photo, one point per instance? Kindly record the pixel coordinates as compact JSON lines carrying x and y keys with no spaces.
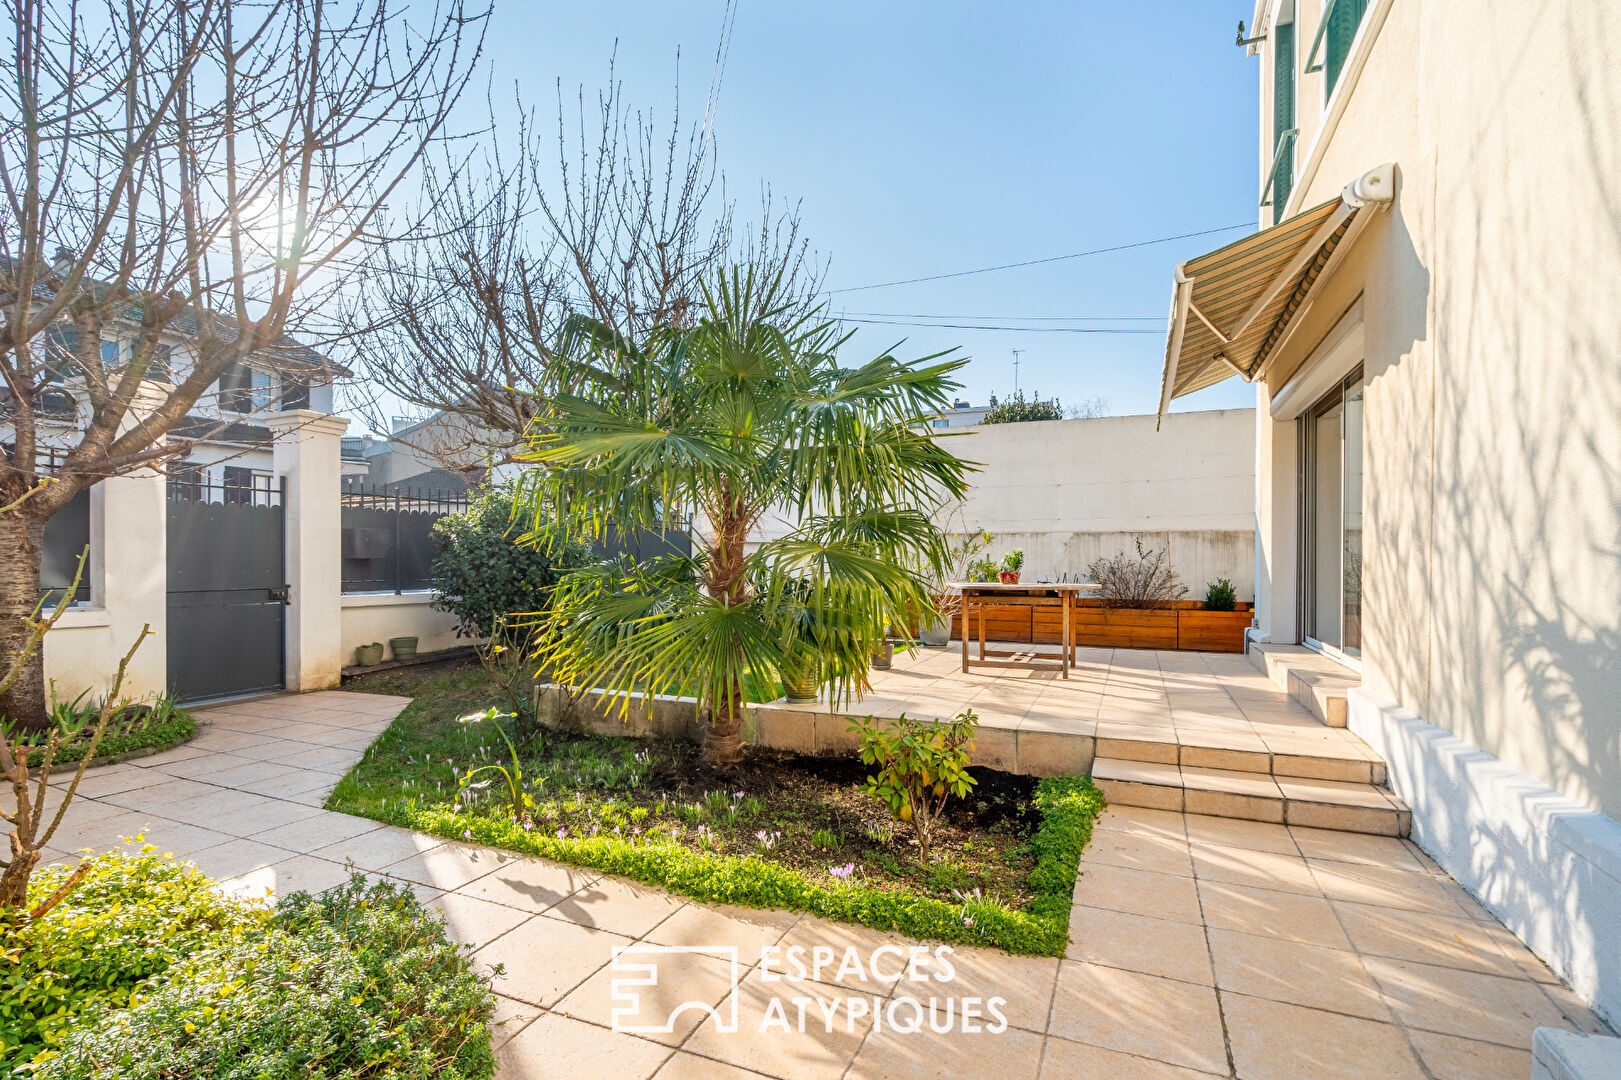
{"x":746,"y":929}
{"x":527,"y":884}
{"x":1309,"y":975}
{"x":375,"y":849}
{"x":155,"y":796}
{"x":1270,"y":913}
{"x":624,"y":907}
{"x":1464,"y":1003}
{"x":1259,"y":869}
{"x":219,"y":808}
{"x":301,"y":873}
{"x":1382,"y":887}
{"x":1174,"y":1022}
{"x":1066,"y":1060}
{"x":511,"y":1016}
{"x":476,"y":922}
{"x":611,"y":997}
{"x":179,"y":839}
{"x":317,"y":831}
{"x":1226,"y":832}
{"x":1272,"y":1040}
{"x":1138,"y":892}
{"x":1171,"y":950}
{"x":547,"y":958}
{"x":449,"y":866}
{"x":1333,"y":846}
{"x":236,"y":858}
{"x":1141,"y":819}
{"x":557,"y":1046}
{"x":685,"y":1066}
{"x":825,"y":947}
{"x":823,"y":1049}
{"x":1163,"y":854}
{"x":1580,"y":1017}
{"x":1426,"y":938}
{"x":1010,"y":1054}
{"x":1451,"y":1058}
{"x":1025,"y":982}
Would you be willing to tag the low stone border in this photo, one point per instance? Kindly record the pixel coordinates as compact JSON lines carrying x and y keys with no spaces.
{"x":798,"y":729}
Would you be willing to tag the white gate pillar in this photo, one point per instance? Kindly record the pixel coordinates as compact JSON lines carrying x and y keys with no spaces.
{"x":307,"y":458}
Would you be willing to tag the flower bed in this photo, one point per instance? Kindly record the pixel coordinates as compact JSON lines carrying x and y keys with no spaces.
{"x":780,"y":831}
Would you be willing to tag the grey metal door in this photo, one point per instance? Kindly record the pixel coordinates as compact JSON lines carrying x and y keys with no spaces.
{"x":227,"y":589}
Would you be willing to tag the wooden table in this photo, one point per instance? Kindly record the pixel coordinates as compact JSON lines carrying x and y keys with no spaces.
{"x":977,"y":595}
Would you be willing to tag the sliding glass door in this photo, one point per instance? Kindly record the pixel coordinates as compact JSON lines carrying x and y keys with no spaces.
{"x":1331,"y":526}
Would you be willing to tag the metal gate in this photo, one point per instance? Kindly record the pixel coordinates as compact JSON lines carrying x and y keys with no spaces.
{"x":227,"y":587}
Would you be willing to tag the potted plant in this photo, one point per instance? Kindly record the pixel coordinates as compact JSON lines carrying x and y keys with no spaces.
{"x":801,"y":677}
{"x":1012,"y":563}
{"x":403,"y":648}
{"x":367,"y":655}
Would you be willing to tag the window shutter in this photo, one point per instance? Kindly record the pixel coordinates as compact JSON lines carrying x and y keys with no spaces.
{"x":236,"y":393}
{"x":1343,"y":21}
{"x":1283,"y":115}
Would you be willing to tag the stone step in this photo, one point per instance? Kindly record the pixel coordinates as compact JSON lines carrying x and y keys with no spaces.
{"x":1251,"y":796}
{"x":1316,"y":681}
{"x":1339,"y":758}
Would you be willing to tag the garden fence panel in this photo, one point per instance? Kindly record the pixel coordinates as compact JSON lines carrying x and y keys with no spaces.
{"x":387,"y":537}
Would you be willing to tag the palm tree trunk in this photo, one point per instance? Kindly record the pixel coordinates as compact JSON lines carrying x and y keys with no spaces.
{"x":723,"y":734}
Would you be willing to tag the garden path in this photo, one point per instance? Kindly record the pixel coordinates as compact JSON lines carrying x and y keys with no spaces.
{"x":1201,"y":946}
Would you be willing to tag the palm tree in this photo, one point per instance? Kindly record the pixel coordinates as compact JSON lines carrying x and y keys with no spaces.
{"x":745,"y":414}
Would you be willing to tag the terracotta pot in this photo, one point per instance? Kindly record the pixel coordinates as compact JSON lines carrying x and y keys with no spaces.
{"x":1008,"y":577}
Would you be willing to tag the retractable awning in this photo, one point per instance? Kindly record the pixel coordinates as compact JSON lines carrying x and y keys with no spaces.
{"x":1230,"y":308}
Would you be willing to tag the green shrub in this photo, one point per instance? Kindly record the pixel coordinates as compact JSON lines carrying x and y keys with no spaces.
{"x":359,"y":982}
{"x":482,"y":572}
{"x":133,"y":727}
{"x":127,"y":921}
{"x":921,"y":764}
{"x":1220,"y":595}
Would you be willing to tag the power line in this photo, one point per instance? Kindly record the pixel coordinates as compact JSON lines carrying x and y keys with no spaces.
{"x":1013,"y":318}
{"x":1010,"y":329}
{"x":1039,"y":262}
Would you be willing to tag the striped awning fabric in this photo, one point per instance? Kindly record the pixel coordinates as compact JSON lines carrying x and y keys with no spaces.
{"x":1230,"y":308}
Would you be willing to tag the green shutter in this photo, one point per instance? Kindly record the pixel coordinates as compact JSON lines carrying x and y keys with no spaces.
{"x":1343,"y":20}
{"x":1283,"y":114}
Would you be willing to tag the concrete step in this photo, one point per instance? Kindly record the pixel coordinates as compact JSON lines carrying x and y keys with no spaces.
{"x":1316,"y":681}
{"x":1339,"y":757}
{"x":1251,"y":796}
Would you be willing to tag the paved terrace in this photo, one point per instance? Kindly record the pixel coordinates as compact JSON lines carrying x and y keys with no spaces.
{"x":1201,"y":946}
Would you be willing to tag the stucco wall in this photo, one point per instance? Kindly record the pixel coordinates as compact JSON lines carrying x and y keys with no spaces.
{"x":380,"y":616}
{"x":1068,"y":491}
{"x":1492,"y":537}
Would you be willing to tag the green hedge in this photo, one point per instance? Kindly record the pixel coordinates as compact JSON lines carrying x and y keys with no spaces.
{"x":1069,"y":806}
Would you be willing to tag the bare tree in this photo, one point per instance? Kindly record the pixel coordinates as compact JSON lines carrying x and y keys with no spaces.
{"x":472,"y":324}
{"x":196,"y":168}
{"x":1089,"y":409}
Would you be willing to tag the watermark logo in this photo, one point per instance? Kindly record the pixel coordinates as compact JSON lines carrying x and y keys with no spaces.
{"x":796,"y":988}
{"x":659,"y":969}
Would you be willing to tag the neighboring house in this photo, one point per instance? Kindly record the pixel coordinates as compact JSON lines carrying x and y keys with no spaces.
{"x":1430,"y":321}
{"x":962,"y":414}
{"x":443,"y":454}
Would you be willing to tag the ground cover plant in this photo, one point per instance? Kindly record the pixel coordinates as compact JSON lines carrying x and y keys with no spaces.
{"x":134,"y":728}
{"x":145,"y":970}
{"x":776,"y":830}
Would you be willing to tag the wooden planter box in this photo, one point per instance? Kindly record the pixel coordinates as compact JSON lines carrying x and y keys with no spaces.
{"x":1212,"y":631}
{"x":1184,"y":625}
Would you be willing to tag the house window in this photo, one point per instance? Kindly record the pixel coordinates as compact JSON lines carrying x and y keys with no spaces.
{"x":109,"y":355}
{"x":244,"y":390}
{"x":161,"y":366}
{"x":1332,"y":433}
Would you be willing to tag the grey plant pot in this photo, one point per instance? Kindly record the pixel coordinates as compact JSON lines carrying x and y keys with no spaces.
{"x":403,"y":648}
{"x":936,"y":634}
{"x":884,"y":659}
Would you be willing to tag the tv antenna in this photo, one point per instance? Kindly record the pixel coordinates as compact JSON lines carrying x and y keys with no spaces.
{"x":1016,"y":353}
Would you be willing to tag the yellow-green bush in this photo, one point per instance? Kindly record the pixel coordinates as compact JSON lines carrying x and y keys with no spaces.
{"x":124,"y":923}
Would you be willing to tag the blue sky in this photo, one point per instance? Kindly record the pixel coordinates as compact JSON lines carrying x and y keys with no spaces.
{"x":930,"y":138}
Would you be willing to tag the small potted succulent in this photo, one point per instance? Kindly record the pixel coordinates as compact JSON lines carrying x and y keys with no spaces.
{"x":367,"y":655}
{"x":1012,"y":563}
